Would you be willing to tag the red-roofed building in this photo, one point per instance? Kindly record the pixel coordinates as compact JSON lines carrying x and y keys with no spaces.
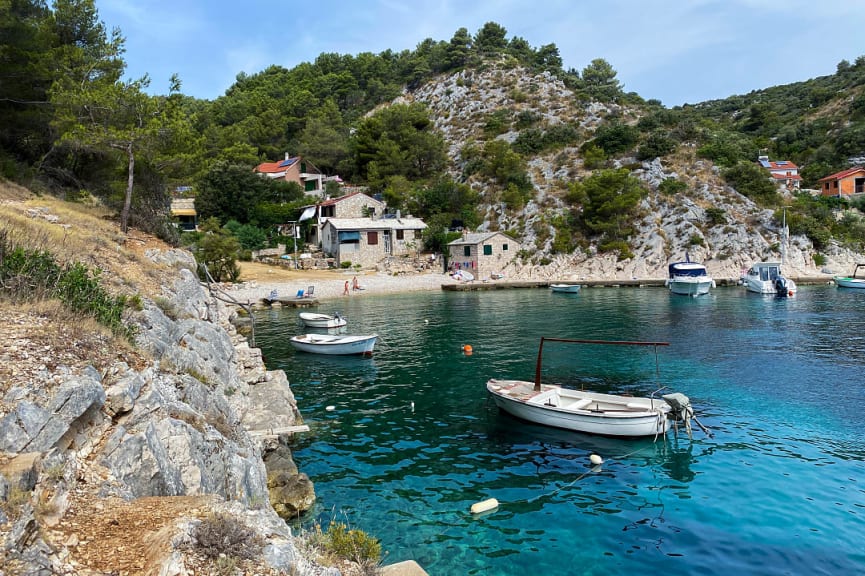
{"x":783,"y":172}
{"x":295,"y":169}
{"x":844,"y":183}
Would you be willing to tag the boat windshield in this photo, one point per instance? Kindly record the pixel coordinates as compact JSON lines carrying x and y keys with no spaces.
{"x":690,"y":270}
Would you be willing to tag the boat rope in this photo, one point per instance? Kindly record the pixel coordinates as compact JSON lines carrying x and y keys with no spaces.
{"x":595,"y":468}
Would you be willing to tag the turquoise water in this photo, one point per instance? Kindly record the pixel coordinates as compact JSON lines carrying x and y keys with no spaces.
{"x":778,"y":489}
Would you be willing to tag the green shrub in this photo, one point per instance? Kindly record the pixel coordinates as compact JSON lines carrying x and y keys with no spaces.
{"x":671,"y":186}
{"x":819,"y":259}
{"x":716,"y":216}
{"x":31,"y":275}
{"x":356,"y":545}
{"x":345,"y":264}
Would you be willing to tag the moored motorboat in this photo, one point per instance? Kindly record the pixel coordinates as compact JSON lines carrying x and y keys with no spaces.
{"x":688,"y":278}
{"x":590,"y":412}
{"x":851,"y":281}
{"x":565,"y":288}
{"x":334,"y":344}
{"x":316,"y":320}
{"x":766,"y":278}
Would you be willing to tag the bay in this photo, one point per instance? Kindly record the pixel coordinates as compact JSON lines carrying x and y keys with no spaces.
{"x":413,"y":441}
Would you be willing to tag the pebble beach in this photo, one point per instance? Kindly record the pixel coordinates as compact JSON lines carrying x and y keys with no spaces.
{"x":334,"y":288}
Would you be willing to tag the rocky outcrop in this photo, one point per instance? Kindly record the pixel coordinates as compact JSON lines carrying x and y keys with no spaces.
{"x":177,"y":427}
{"x":461,"y":106}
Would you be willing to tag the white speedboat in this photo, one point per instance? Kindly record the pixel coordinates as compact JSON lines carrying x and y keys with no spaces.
{"x":688,"y":278}
{"x":590,"y":412}
{"x":851,"y":281}
{"x":334,"y":344}
{"x":766,"y":278}
{"x":316,"y":320}
{"x":565,"y":288}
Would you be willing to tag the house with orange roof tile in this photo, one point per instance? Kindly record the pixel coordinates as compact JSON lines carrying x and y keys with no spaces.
{"x":783,"y":172}
{"x":296,"y":169}
{"x":844,"y":184}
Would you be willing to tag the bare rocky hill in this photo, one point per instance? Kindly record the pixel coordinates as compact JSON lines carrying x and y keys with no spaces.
{"x":669,"y":226}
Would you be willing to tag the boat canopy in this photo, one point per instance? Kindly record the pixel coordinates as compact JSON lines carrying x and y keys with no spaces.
{"x":687,"y":269}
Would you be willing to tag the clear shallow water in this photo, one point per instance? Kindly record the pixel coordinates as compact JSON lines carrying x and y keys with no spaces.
{"x":779,"y":489}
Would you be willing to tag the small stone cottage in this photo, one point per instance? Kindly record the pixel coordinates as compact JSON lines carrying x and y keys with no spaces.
{"x":367,"y":241}
{"x":483,"y":254}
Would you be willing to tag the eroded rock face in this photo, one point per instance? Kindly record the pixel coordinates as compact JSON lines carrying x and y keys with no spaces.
{"x":291,"y":493}
{"x":176,"y":428}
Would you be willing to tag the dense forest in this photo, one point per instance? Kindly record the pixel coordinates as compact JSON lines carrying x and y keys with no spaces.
{"x":74,"y":126}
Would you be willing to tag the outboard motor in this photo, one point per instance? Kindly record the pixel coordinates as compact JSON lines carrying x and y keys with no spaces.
{"x":681,"y":410}
{"x":781,"y":287}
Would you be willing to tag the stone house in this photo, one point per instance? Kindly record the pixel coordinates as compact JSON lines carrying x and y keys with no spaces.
{"x":295,"y":169}
{"x":354,"y":205}
{"x":367,"y":241}
{"x":483,"y":254}
{"x":844,"y":184}
{"x":783,"y":172}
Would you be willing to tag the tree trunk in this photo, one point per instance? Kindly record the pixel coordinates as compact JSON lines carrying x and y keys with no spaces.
{"x":127,"y":202}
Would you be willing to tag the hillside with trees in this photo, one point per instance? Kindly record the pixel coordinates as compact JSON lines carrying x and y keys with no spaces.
{"x":563,"y":159}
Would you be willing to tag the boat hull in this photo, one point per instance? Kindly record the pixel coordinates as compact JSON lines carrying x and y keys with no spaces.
{"x":690,"y":286}
{"x":600,"y":414}
{"x":334,"y":345}
{"x":847,"y":282}
{"x":322,"y":320}
{"x":565,"y":288}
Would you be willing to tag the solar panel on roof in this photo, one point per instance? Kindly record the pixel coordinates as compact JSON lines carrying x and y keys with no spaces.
{"x":288,"y":162}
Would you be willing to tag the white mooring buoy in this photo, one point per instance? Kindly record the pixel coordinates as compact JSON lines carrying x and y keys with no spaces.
{"x":485,"y":506}
{"x":330,"y":408}
{"x":596,"y":460}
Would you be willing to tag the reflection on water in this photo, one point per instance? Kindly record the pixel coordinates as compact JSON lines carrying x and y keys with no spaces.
{"x":413,"y":440}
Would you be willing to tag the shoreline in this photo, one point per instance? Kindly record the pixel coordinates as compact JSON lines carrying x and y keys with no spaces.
{"x":331,"y":286}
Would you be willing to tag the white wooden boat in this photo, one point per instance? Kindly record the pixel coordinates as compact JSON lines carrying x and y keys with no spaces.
{"x":688,"y":278}
{"x":590,"y":412}
{"x":766,"y":278}
{"x":316,"y":320}
{"x":566,"y":288}
{"x":851,"y":281}
{"x":334,"y":344}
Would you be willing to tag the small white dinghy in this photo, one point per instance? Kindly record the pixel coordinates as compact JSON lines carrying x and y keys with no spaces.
{"x":565,"y":288}
{"x":590,"y":412}
{"x":316,"y":320}
{"x":333,"y":344}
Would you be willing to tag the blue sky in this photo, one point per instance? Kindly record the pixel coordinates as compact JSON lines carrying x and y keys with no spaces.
{"x":678,"y":52}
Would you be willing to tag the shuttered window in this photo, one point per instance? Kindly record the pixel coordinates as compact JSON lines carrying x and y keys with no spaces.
{"x":372,"y":238}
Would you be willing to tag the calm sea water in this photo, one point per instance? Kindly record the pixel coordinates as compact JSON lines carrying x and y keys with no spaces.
{"x":414,"y":441}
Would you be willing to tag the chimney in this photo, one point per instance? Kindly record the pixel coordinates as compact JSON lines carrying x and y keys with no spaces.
{"x":286,"y":155}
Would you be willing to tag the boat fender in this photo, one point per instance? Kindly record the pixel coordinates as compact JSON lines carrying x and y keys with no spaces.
{"x":485,"y":506}
{"x":596,"y":459}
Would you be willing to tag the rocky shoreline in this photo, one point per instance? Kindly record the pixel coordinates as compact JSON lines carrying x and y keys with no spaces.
{"x":172,"y":435}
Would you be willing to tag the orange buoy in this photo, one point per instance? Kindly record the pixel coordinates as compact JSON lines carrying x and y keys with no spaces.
{"x":467,"y":349}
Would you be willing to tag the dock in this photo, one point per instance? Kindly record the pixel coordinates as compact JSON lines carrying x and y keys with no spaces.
{"x":289,"y":302}
{"x":634,"y":283}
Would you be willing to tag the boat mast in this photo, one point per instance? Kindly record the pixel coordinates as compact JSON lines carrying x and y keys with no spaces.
{"x":784,"y":234}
